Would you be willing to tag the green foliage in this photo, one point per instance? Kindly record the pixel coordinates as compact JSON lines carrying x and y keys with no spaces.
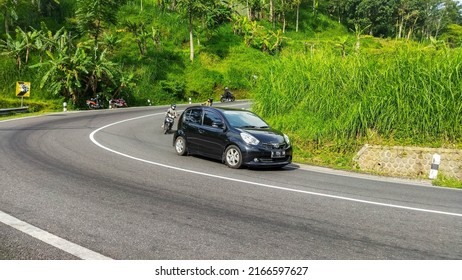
{"x":453,"y":35}
{"x":201,"y":81}
{"x":174,"y":89}
{"x":93,"y":16}
{"x":450,"y":182}
{"x":257,"y":36}
{"x":325,"y":99}
{"x":32,"y":104}
{"x":417,"y":19}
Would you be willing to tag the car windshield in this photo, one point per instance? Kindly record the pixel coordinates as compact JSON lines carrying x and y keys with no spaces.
{"x":244,"y":119}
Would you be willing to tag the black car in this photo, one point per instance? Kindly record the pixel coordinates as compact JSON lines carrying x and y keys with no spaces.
{"x":234,"y":136}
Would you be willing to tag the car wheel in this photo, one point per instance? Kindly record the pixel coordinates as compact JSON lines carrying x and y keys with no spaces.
{"x":233,"y":157}
{"x":180,"y":146}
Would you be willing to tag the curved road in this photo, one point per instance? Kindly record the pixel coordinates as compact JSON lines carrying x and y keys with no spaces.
{"x":108,"y":184}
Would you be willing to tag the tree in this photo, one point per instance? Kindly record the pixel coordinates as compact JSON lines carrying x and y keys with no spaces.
{"x":9,"y":12}
{"x":44,"y":6}
{"x":29,"y":40}
{"x":93,"y":16}
{"x":253,"y":7}
{"x":418,"y":19}
{"x":193,"y":9}
{"x":64,"y":73}
{"x":408,"y":12}
{"x":101,"y":74}
{"x":336,"y":8}
{"x":438,"y":15}
{"x":141,"y":36}
{"x":13,"y":48}
{"x":297,"y":4}
{"x":77,"y":72}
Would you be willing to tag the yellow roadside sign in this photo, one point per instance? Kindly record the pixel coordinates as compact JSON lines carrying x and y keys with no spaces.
{"x":23,"y":89}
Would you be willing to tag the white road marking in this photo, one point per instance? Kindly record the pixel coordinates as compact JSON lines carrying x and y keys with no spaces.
{"x":53,"y":240}
{"x":92,"y":138}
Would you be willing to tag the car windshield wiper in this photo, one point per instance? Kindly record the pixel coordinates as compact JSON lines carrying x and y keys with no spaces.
{"x":248,"y":126}
{"x":253,"y":126}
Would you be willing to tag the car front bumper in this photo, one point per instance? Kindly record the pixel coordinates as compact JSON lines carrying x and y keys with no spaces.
{"x":255,"y":156}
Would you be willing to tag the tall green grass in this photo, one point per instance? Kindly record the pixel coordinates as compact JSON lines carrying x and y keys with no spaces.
{"x":406,"y":95}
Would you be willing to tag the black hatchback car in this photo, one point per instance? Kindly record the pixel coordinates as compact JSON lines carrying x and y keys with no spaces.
{"x":234,"y":136}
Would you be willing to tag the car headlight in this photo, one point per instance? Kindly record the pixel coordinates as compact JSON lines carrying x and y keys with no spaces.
{"x":249,"y":139}
{"x":287,"y":139}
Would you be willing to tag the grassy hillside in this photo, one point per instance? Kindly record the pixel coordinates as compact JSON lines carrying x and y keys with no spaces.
{"x":397,"y":97}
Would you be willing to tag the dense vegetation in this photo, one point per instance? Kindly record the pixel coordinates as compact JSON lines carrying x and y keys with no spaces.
{"x":334,"y":74}
{"x":398,"y":96}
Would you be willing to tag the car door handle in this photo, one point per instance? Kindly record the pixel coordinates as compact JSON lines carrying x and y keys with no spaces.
{"x":201,"y":131}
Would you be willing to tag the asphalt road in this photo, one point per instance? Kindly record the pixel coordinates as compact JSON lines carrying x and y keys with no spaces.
{"x":108,"y":184}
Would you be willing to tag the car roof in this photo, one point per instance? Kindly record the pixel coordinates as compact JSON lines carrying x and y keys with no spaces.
{"x":222,"y":109}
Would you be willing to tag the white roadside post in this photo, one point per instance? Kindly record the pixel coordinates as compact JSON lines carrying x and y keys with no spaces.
{"x":436,"y":160}
{"x":190,"y":100}
{"x":64,"y":106}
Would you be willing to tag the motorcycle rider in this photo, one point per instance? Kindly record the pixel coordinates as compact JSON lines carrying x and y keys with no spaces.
{"x":209,"y":102}
{"x":171,"y":112}
{"x":227,"y":94}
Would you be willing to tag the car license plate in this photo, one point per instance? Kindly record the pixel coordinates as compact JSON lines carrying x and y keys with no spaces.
{"x":278,"y":154}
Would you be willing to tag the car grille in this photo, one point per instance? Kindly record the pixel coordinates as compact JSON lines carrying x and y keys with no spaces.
{"x":274,"y":146}
{"x":274,"y":160}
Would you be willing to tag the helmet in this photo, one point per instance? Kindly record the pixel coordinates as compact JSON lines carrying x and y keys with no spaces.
{"x":173,"y":106}
{"x":226,"y":87}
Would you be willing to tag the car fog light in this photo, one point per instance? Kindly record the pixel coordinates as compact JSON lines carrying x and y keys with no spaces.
{"x":255,"y":160}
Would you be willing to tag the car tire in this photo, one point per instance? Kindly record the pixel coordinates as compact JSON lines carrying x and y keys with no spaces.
{"x":233,"y":157}
{"x":180,"y":146}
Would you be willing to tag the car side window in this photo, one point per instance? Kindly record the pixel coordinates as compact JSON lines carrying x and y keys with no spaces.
{"x":211,"y":118}
{"x":194,"y":116}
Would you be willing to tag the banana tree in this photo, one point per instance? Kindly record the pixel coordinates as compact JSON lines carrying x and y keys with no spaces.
{"x":12,"y":48}
{"x":65,"y":73}
{"x":79,"y":75}
{"x":29,"y":39}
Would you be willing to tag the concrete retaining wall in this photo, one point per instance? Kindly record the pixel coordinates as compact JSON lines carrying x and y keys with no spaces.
{"x":412,"y":162}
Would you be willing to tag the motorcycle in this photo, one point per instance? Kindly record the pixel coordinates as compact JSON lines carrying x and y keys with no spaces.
{"x":117,"y":103}
{"x":168,"y":123}
{"x":229,"y":98}
{"x":94,"y":103}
